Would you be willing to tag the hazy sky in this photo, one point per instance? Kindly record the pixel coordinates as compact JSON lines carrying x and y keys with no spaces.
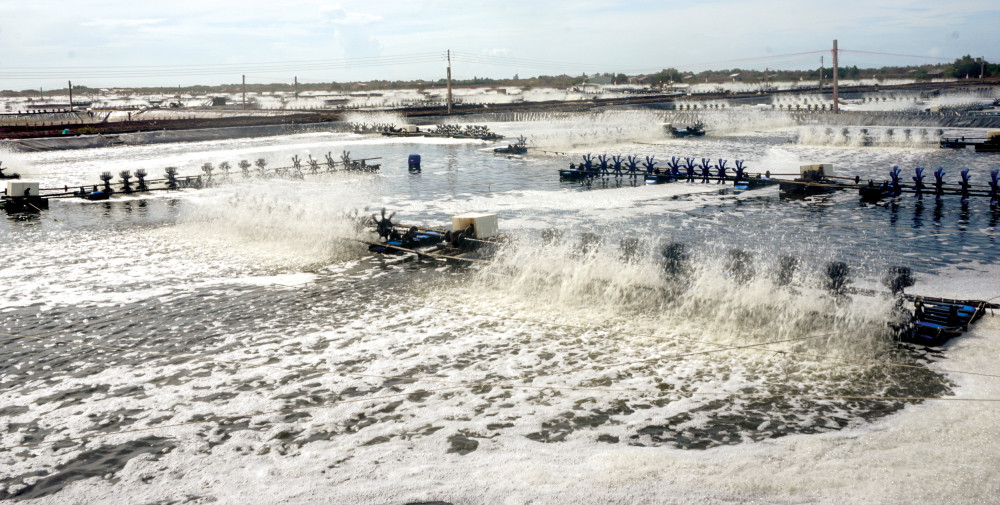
{"x":123,"y":43}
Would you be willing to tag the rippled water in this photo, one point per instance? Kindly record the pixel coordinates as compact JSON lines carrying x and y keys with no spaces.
{"x":237,"y":344}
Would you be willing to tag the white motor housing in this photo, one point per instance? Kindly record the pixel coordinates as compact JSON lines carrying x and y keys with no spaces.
{"x":816,"y":171}
{"x":15,"y":188}
{"x":485,"y":225}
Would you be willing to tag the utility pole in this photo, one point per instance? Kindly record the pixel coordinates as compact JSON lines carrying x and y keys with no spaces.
{"x":821,"y":73}
{"x":70,"y":95}
{"x":296,"y":87}
{"x":836,"y":103}
{"x":244,"y":91}
{"x":449,"y":82}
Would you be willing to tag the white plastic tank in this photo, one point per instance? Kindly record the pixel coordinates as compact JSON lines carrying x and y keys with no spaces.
{"x":16,"y":188}
{"x":817,"y":171}
{"x":485,"y":225}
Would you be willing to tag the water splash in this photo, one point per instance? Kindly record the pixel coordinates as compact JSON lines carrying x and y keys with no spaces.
{"x":376,"y":117}
{"x":743,"y":121}
{"x":570,"y":131}
{"x":713,"y":294}
{"x":281,"y":224}
{"x":856,"y":136}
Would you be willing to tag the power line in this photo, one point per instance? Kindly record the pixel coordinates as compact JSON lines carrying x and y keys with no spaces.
{"x":562,"y":65}
{"x":896,"y":54}
{"x":237,"y":65}
{"x":318,"y":65}
{"x":219,"y":69}
{"x":162,"y":73}
{"x":753,"y":59}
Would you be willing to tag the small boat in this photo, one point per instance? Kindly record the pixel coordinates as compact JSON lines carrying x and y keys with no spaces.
{"x":7,"y":176}
{"x":471,"y":239}
{"x":754,"y":182}
{"x":660,"y":177}
{"x":574,"y":173}
{"x":32,"y":205}
{"x":695,"y":130}
{"x":419,"y":239}
{"x":812,"y":180}
{"x":21,"y":197}
{"x":95,"y":195}
{"x":519,"y":147}
{"x":955,"y":142}
{"x":990,"y":145}
{"x":936,"y":321}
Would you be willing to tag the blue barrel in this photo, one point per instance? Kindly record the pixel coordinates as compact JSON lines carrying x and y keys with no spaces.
{"x":414,"y":162}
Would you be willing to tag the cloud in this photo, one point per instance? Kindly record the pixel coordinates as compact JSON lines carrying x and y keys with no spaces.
{"x":729,"y":33}
{"x":122,"y":23}
{"x":338,"y":15}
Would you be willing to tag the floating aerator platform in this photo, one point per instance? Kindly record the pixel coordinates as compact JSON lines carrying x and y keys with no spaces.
{"x":470,"y":238}
{"x":22,"y":196}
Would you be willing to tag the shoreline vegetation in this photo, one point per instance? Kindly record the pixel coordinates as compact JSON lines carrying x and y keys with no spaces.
{"x":965,"y":67}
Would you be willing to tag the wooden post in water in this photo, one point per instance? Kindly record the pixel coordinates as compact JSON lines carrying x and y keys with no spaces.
{"x":836,"y":103}
{"x":449,"y":81}
{"x":821,"y":75}
{"x":296,"y":87}
{"x":70,"y":95}
{"x":245,"y":91}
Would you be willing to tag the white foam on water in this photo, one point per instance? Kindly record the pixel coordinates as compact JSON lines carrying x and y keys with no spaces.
{"x":239,"y":231}
{"x":283,"y":221}
{"x":742,"y":121}
{"x":938,"y":452}
{"x":533,"y":209}
{"x":286,"y":280}
{"x":559,"y":132}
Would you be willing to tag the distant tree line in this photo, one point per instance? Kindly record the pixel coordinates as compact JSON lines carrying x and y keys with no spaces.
{"x":970,"y":67}
{"x":961,"y":68}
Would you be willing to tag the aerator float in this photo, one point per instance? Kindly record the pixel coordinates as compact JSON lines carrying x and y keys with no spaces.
{"x":676,"y":170}
{"x":471,"y":238}
{"x":13,"y":198}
